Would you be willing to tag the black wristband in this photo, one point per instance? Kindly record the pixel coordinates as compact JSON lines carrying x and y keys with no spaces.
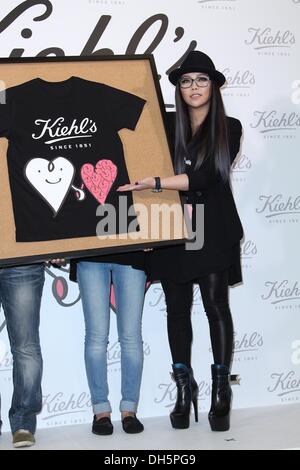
{"x":157,"y":188}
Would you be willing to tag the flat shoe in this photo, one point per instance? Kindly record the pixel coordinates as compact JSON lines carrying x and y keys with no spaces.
{"x":132,"y":425}
{"x":102,"y":426}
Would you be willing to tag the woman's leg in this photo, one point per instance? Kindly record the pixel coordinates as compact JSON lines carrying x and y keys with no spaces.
{"x":94,"y":284}
{"x":129,"y":285}
{"x":214,"y":292}
{"x":179,"y":299}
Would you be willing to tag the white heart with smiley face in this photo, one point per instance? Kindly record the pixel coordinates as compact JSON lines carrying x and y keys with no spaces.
{"x":51,"y":179}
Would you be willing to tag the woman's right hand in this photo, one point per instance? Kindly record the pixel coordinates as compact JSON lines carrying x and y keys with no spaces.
{"x":141,"y":185}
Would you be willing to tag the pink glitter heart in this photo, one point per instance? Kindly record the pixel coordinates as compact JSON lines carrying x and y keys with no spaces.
{"x":100,"y":179}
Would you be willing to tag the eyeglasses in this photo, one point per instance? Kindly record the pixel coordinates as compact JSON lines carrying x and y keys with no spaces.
{"x":201,"y":81}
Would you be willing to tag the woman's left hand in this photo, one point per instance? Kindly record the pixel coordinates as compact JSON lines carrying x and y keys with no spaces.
{"x":146,"y":183}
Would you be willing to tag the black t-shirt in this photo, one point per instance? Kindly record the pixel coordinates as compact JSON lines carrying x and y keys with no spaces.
{"x":65,"y":157}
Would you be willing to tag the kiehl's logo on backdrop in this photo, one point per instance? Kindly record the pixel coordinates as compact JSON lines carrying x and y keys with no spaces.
{"x":6,"y":360}
{"x":238,"y":83}
{"x":281,"y":292}
{"x":295,"y":356}
{"x":107,"y":2}
{"x":239,"y":78}
{"x":157,"y":294}
{"x":228,"y":5}
{"x":58,"y":404}
{"x":2,"y":324}
{"x":248,"y":253}
{"x":248,"y":249}
{"x":247,"y":346}
{"x":240,"y":168}
{"x":157,"y":299}
{"x":275,"y":123}
{"x":114,"y":353}
{"x":285,"y":385}
{"x":168,"y":393}
{"x":279,"y":208}
{"x":248,"y":342}
{"x":268,"y":38}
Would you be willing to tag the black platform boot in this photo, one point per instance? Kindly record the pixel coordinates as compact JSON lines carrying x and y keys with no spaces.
{"x":219,"y":415}
{"x":187,"y":393}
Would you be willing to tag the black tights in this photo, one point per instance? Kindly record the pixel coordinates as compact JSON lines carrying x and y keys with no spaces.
{"x":179,"y":297}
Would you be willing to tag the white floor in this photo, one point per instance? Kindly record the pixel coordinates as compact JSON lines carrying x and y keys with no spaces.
{"x":254,"y":428}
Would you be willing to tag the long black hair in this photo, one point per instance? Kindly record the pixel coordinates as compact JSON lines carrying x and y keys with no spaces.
{"x":210,"y":141}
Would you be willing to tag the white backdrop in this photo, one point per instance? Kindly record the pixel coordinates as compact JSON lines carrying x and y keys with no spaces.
{"x":256,"y":44}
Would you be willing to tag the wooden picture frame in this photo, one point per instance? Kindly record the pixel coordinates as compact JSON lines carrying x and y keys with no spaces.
{"x":146,"y":151}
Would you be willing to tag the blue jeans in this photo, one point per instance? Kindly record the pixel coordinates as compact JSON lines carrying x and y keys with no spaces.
{"x":94,"y":281}
{"x":20,"y":294}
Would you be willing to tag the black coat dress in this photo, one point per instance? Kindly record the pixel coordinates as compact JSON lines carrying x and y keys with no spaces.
{"x":222,"y":226}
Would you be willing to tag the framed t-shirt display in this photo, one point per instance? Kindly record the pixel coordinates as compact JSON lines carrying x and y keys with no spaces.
{"x":73,"y":130}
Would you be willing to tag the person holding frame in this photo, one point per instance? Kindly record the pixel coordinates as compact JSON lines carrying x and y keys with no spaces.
{"x":21,"y":290}
{"x":206,"y":142}
{"x":95,"y":277}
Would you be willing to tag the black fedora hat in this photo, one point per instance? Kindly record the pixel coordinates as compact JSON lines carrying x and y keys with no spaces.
{"x":197,"y":61}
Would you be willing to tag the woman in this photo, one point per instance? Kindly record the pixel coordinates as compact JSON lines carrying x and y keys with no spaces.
{"x":206,"y":143}
{"x":95,"y":276}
